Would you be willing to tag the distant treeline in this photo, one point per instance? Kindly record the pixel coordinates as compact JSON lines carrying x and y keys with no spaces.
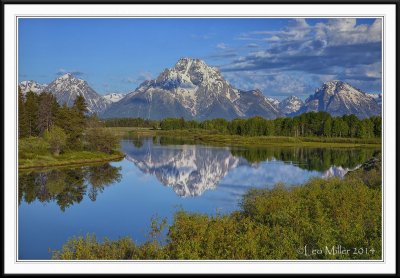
{"x":305,"y":125}
{"x":131,"y":122}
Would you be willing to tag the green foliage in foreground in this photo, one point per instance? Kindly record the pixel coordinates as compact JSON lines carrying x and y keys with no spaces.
{"x":31,"y":147}
{"x":271,"y":224}
{"x":102,"y":140}
{"x":57,"y":139}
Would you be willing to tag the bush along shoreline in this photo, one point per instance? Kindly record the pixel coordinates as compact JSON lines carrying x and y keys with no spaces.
{"x":327,"y":219}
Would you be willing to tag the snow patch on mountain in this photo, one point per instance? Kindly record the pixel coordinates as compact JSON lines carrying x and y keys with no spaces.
{"x":340,"y":98}
{"x":273,"y":101}
{"x":377,"y":97}
{"x":67,"y":87}
{"x":113,"y":97}
{"x":290,"y":105}
{"x":30,"y":85}
{"x":338,"y":171}
{"x":193,"y":90}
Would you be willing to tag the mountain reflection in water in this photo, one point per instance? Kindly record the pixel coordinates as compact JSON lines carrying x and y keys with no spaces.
{"x":119,"y":199}
{"x":192,"y":169}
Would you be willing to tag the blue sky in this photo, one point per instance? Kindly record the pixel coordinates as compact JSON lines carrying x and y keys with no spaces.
{"x":279,"y":56}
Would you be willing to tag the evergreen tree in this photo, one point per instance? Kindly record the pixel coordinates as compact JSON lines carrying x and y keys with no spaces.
{"x":31,"y":110}
{"x":47,"y":112}
{"x":377,"y":122}
{"x":366,"y":129}
{"x":270,"y":128}
{"x":70,"y":120}
{"x":23,"y":125}
{"x":80,"y":105}
{"x":93,"y":121}
{"x":353,"y":122}
{"x":328,"y":127}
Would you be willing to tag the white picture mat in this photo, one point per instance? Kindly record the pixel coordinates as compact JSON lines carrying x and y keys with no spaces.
{"x":389,"y":138}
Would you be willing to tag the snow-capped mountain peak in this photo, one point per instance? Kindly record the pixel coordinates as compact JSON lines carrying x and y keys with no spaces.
{"x":290,"y":105}
{"x":189,"y":76}
{"x":30,"y":85}
{"x":274,"y":101}
{"x":66,"y":76}
{"x":193,"y":90}
{"x":67,"y":87}
{"x":340,"y":98}
{"x":114,"y":97}
{"x":377,"y":97}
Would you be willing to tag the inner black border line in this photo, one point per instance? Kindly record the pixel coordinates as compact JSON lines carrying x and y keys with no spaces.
{"x":203,"y":2}
{"x":133,"y":16}
{"x":383,"y":79}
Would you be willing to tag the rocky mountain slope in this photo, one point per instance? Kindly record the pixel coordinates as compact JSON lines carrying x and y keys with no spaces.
{"x":290,"y":105}
{"x":377,"y":97}
{"x":67,"y":87}
{"x":30,"y":85}
{"x":339,"y":98}
{"x":193,"y":90}
{"x":114,"y":97}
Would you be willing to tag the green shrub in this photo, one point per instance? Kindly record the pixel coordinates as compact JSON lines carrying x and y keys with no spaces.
{"x":32,"y":147}
{"x":57,"y":139}
{"x":88,"y":248}
{"x":271,"y":224}
{"x":103,"y":140}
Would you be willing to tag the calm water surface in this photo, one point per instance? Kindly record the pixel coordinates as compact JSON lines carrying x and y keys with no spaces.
{"x":157,"y":178}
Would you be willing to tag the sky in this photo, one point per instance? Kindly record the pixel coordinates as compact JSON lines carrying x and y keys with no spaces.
{"x":279,"y":56}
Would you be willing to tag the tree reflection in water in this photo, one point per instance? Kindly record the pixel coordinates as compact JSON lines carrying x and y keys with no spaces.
{"x":66,"y":186}
{"x":191,"y":169}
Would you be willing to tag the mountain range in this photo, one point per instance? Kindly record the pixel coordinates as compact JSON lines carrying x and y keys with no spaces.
{"x":193,"y":90}
{"x":30,"y":85}
{"x":114,"y":97}
{"x":339,"y":98}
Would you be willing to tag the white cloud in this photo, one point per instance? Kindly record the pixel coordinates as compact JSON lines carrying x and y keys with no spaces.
{"x":62,"y":71}
{"x":142,"y":76}
{"x":346,"y":32}
{"x":273,"y":84}
{"x":338,"y":48}
{"x":222,"y":46}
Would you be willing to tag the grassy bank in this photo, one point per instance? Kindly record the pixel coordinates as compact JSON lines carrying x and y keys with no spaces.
{"x":280,"y":223}
{"x":55,"y":148}
{"x":211,"y":137}
{"x":67,"y":159}
{"x":126,"y":131}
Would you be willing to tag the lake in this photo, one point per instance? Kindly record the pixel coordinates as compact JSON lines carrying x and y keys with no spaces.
{"x":158,"y":177}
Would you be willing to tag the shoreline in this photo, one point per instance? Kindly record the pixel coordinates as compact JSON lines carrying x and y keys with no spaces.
{"x":219,"y":139}
{"x":63,"y":163}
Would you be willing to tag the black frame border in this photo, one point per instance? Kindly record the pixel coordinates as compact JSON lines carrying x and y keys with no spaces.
{"x":235,"y":2}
